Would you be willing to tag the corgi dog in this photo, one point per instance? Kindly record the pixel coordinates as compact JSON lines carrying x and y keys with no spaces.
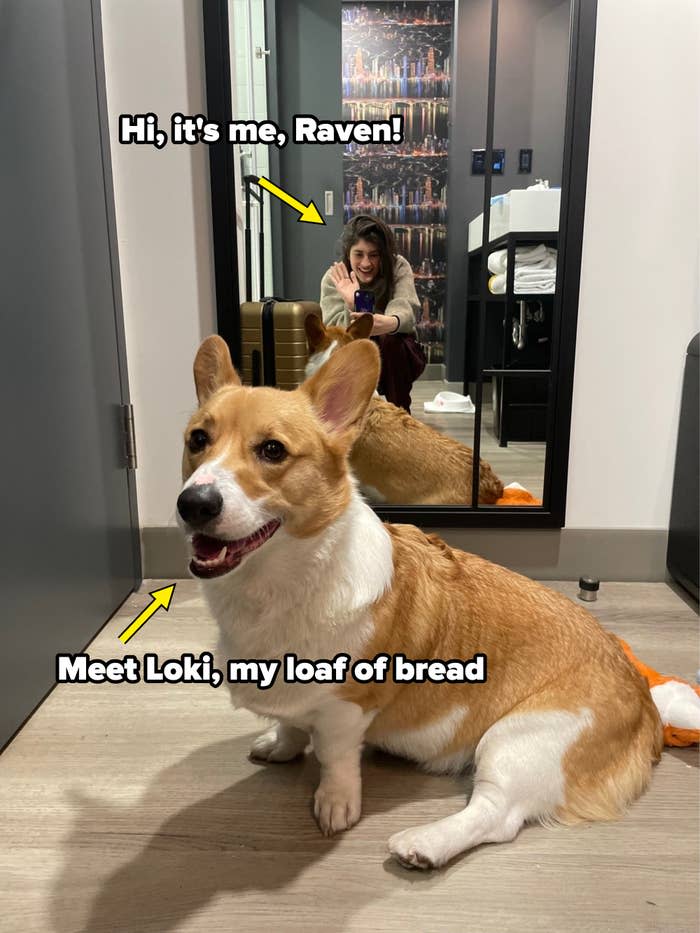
{"x":292,"y":560}
{"x":396,"y":458}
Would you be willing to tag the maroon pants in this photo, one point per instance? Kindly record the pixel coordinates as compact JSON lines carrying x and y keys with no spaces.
{"x":402,"y":363}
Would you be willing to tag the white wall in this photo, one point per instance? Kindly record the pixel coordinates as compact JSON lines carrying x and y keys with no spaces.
{"x":639,"y":287}
{"x":154,"y":62}
{"x":639,"y":298}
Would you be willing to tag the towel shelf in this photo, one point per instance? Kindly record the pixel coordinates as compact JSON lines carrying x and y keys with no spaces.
{"x":517,"y":372}
{"x":496,"y":299}
{"x":519,"y":375}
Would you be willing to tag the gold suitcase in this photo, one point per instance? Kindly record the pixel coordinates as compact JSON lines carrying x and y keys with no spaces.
{"x":273,"y":342}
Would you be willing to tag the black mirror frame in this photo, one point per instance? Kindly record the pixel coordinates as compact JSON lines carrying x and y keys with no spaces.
{"x":576,"y":140}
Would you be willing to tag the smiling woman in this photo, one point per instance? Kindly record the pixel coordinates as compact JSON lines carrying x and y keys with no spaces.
{"x":370,"y":264}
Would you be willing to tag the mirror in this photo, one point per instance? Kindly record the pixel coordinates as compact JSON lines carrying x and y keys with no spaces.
{"x":517,"y":268}
{"x":474,"y":193}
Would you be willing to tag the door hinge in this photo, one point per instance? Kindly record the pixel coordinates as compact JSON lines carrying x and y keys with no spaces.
{"x":129,"y":436}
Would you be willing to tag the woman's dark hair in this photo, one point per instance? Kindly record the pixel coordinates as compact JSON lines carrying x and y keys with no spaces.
{"x":366,"y":227}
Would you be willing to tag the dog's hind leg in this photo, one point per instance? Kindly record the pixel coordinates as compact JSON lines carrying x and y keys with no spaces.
{"x":518,"y":779}
{"x":281,"y":743}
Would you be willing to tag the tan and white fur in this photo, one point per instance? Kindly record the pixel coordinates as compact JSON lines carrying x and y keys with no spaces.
{"x":564,"y":728}
{"x":396,"y":458}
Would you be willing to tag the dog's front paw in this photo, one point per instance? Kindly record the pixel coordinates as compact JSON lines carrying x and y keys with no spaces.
{"x":337,"y":806}
{"x":279,"y":744}
{"x":417,"y":848}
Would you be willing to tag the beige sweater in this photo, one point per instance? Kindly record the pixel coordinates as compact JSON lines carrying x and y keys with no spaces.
{"x":404,"y":303}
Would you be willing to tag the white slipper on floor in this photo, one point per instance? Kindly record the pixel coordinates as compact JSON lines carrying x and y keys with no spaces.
{"x":450,"y":402}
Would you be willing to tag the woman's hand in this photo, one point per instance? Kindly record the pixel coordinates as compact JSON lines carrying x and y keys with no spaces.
{"x":346,"y":284}
{"x":383,"y":323}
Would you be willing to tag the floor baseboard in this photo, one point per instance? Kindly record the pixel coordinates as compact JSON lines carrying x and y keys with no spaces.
{"x":621,"y":554}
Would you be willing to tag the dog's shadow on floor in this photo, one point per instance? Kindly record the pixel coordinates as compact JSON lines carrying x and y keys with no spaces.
{"x":257,"y":835}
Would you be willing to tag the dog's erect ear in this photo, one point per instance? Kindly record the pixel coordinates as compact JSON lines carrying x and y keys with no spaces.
{"x":361,"y":326}
{"x":213,"y":368}
{"x":341,"y":389}
{"x":315,"y":331}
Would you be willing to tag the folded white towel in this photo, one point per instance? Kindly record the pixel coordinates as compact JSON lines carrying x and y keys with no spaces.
{"x":535,"y":275}
{"x":537,"y":286}
{"x":534,"y":280}
{"x":523,"y":288}
{"x":530,"y":282}
{"x":497,"y":261}
{"x":549,"y":262}
{"x":530,"y":273}
{"x":531,"y":253}
{"x":524,"y":256}
{"x":534,"y":289}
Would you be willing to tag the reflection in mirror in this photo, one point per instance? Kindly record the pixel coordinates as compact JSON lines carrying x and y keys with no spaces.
{"x":420,"y":60}
{"x":428,"y":63}
{"x":519,"y":466}
{"x":400,"y":459}
{"x":519,"y":265}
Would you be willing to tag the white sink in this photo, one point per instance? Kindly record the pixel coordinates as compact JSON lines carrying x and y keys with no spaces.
{"x":519,"y":211}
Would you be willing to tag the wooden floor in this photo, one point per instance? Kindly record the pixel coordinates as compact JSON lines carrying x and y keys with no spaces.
{"x":132,"y":808}
{"x":520,"y":462}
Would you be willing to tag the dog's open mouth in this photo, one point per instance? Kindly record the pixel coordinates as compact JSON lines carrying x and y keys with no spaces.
{"x":213,"y":557}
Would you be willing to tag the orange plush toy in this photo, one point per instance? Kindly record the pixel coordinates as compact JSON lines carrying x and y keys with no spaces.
{"x":677,"y":701}
{"x":515,"y":494}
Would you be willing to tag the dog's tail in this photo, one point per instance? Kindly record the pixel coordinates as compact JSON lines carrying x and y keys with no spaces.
{"x":677,"y":701}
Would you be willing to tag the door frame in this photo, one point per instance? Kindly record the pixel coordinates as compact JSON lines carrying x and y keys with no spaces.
{"x":111,"y":221}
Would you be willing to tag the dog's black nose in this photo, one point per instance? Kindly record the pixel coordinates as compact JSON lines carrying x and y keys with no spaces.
{"x":199,"y":504}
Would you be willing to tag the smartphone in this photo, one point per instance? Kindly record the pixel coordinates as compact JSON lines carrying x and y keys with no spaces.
{"x":364,"y":300}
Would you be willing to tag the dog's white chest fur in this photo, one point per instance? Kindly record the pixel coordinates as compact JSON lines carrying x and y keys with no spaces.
{"x":308,"y":597}
{"x":295,"y":702}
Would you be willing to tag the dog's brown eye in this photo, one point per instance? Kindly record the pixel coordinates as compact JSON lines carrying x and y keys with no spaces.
{"x":273,"y":451}
{"x":198,"y":440}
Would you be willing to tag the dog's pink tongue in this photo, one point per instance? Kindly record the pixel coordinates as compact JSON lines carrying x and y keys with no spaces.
{"x":206,"y":548}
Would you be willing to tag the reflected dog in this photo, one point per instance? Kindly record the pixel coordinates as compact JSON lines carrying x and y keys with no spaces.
{"x":398,"y":459}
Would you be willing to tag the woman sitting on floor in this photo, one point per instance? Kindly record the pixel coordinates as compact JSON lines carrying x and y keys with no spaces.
{"x":370,"y":262}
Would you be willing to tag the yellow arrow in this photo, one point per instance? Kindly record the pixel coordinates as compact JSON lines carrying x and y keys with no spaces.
{"x":308,"y":213}
{"x":161,"y":599}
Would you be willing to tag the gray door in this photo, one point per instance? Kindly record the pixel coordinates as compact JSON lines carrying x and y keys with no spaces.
{"x":70,"y":542}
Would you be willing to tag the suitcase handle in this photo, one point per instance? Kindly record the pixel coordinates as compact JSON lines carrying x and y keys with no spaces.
{"x":258,"y":195}
{"x":255,"y":361}
{"x":267,"y":327}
